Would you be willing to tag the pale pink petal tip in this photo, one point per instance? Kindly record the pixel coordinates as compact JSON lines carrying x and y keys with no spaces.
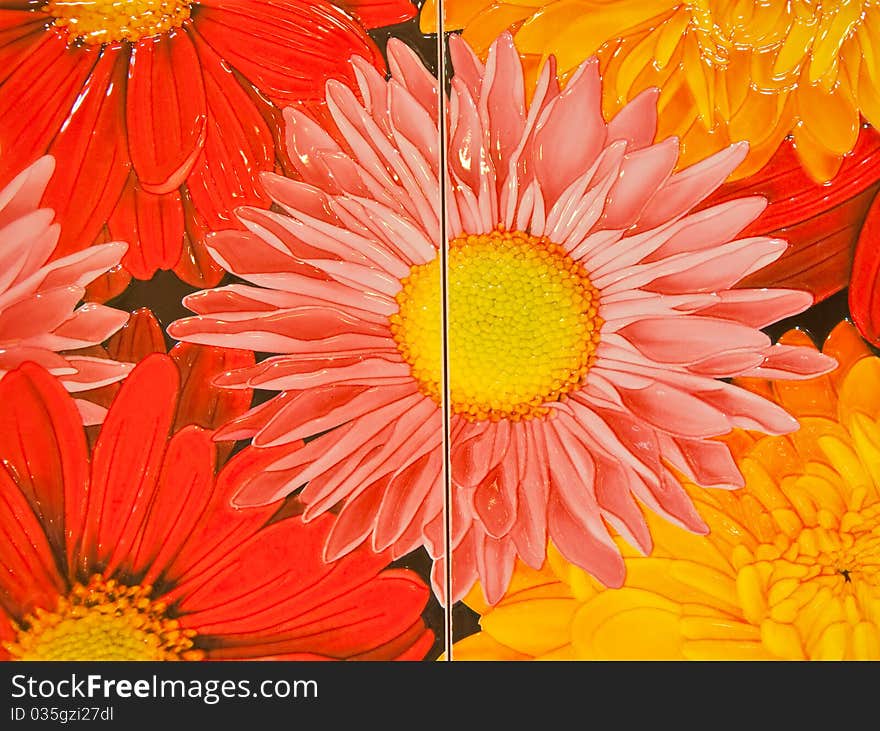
{"x":39,"y":298}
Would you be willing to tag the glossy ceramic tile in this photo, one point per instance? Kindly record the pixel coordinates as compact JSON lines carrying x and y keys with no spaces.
{"x":322,"y":339}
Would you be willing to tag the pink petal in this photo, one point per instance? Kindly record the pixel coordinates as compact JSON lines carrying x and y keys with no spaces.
{"x":636,"y":123}
{"x":686,"y":340}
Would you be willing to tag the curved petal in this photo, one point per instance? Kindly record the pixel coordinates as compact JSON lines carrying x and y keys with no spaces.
{"x":166,"y":111}
{"x":153,"y":226}
{"x":182,"y":494}
{"x":126,"y":463}
{"x":287,"y":49}
{"x":92,"y":155}
{"x":200,"y":402}
{"x":43,"y":446}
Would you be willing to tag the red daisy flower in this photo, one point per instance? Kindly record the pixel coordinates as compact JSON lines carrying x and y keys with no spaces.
{"x":133,"y":552}
{"x":162,"y":113}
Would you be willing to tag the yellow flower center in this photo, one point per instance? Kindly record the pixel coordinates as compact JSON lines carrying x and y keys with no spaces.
{"x":816,"y":591}
{"x":523,"y":325}
{"x":106,"y":21}
{"x":104,"y":620}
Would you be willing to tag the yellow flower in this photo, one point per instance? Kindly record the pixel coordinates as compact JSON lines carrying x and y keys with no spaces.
{"x":729,"y":70}
{"x":790,"y":569}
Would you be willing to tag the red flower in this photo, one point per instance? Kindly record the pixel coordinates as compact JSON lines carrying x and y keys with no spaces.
{"x":162,"y":114}
{"x":133,"y":552}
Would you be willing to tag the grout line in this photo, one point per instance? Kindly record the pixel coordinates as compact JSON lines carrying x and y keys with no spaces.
{"x":444,"y":309}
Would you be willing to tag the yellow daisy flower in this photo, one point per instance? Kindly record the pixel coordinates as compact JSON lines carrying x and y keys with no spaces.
{"x":729,"y":70}
{"x":790,"y":569}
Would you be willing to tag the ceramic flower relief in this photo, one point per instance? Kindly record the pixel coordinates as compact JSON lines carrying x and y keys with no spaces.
{"x":790,"y":569}
{"x":592,"y":318}
{"x":39,"y":293}
{"x":92,"y":568}
{"x":160,"y":112}
{"x":199,"y":402}
{"x":728,"y":71}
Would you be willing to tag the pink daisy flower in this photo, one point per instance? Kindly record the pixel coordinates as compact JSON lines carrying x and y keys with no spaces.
{"x":39,"y":317}
{"x":592,"y":317}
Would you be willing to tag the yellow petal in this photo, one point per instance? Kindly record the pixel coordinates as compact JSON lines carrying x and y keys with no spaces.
{"x":725,"y":650}
{"x":457,"y":14}
{"x":482,"y":646}
{"x":760,"y":480}
{"x":573,"y":30}
{"x":846,"y":346}
{"x":866,"y":642}
{"x":700,"y":80}
{"x":847,"y":463}
{"x":481,"y":30}
{"x":717,"y":628}
{"x":627,"y":624}
{"x":831,"y":118}
{"x":833,"y":31}
{"x":634,"y":58}
{"x":866,"y":436}
{"x":718,"y":586}
{"x":820,"y":163}
{"x":752,"y":594}
{"x":861,"y":390}
{"x":868,"y":36}
{"x":671,"y":33}
{"x":672,"y":541}
{"x":782,"y":640}
{"x":562,"y":653}
{"x":793,"y":51}
{"x":833,"y":642}
{"x":532,"y":627}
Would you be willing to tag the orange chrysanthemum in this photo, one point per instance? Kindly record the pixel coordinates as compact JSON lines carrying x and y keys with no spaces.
{"x":790,"y":569}
{"x":754,"y":71}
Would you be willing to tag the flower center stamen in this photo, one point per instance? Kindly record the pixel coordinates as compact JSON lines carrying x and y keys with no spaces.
{"x":523,"y":325}
{"x":106,"y":21}
{"x":818,"y":581}
{"x":104,"y":620}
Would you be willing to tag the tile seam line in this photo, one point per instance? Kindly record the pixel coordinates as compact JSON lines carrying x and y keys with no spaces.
{"x":444,"y":309}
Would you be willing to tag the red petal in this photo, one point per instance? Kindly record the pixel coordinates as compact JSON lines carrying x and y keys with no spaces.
{"x":166,"y":110}
{"x":36,"y":98}
{"x":411,"y":645}
{"x":126,"y":462}
{"x":185,"y":488}
{"x":20,"y":31}
{"x":196,"y":266}
{"x":92,"y":156}
{"x":864,"y":292}
{"x":138,"y":338}
{"x":201,"y":402}
{"x":43,"y":446}
{"x":276,"y":594}
{"x":239,"y":146}
{"x":286,"y":48}
{"x":378,"y":13}
{"x":108,"y":285}
{"x":223,"y":528}
{"x":153,"y":227}
{"x":821,"y":222}
{"x":28,"y":574}
{"x":349,"y":625}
